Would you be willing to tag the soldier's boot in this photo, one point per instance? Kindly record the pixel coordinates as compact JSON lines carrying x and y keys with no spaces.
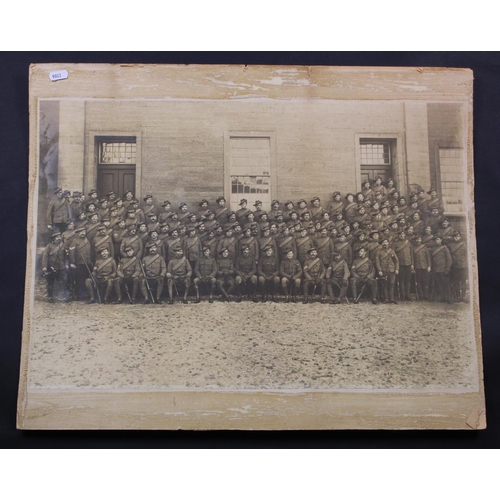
{"x":264,"y":293}
{"x":238,"y":292}
{"x":285,"y":293}
{"x":294,"y":293}
{"x":185,"y":299}
{"x":330,"y":290}
{"x":323,"y":293}
{"x":391,"y":294}
{"x":90,"y":290}
{"x":170,"y":292}
{"x":118,"y":291}
{"x":273,"y":293}
{"x":211,"y":296}
{"x":107,"y":294}
{"x":197,"y":291}
{"x":134,"y":291}
{"x":159,"y":291}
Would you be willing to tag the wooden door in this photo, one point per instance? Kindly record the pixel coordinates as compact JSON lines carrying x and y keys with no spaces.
{"x":115,"y":178}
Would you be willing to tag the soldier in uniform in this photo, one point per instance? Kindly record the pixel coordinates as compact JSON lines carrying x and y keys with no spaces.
{"x":441,"y":267}
{"x":326,"y":222}
{"x":178,"y":271}
{"x":209,"y":220}
{"x":192,"y":246}
{"x":404,"y":251}
{"x":367,"y":192}
{"x":337,"y":273}
{"x":302,"y":207}
{"x":211,"y":242}
{"x":139,"y":212}
{"x":222,"y":211}
{"x":285,"y":243}
{"x":58,"y":211}
{"x":103,"y":208}
{"x":378,"y":187}
{"x":243,"y":211}
{"x":172,"y":243}
{"x":81,"y":220}
{"x":360,"y":242}
{"x":80,"y":261}
{"x":344,"y":248}
{"x":102,"y":239}
{"x":154,"y":237}
{"x":68,"y":235}
{"x":76,"y":205}
{"x":350,"y":208}
{"x":268,"y":273}
{"x":142,"y":232}
{"x":391,"y":187}
{"x":153,"y":224}
{"x":167,"y":212}
{"x":324,"y":246}
{"x":128,"y":197}
{"x":205,"y":271}
{"x":131,"y":239}
{"x":316,"y":209}
{"x":267,"y":240}
{"x":387,"y":267}
{"x":129,"y":274}
{"x":121,"y":210}
{"x":246,"y":273}
{"x":119,"y":232}
{"x":54,"y":263}
{"x":290,"y":274}
{"x":183,"y":213}
{"x":174,"y":221}
{"x":149,"y":206}
{"x":422,"y":259}
{"x":93,"y":196}
{"x":304,"y":244}
{"x":258,"y":209}
{"x":104,"y":273}
{"x":228,"y":242}
{"x":363,"y":273}
{"x":314,"y":274}
{"x":202,"y":211}
{"x":288,"y":209}
{"x":225,"y":273}
{"x":275,"y":209}
{"x":336,"y":206}
{"x":458,"y":251}
{"x":433,"y":219}
{"x":153,"y":270}
{"x":434,"y":202}
{"x":394,"y":198}
{"x":445,"y":231}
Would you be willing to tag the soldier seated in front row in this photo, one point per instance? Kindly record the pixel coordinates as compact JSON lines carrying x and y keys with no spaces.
{"x":268,"y":273}
{"x":291,"y":273}
{"x":363,"y":273}
{"x":129,"y":274}
{"x":179,"y":271}
{"x":104,"y":273}
{"x":387,"y":266}
{"x":225,"y":273}
{"x":314,"y":274}
{"x":337,"y":274}
{"x":205,"y":271}
{"x":153,"y":274}
{"x":246,"y":273}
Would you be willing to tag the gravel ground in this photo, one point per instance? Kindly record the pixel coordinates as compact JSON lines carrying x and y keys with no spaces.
{"x":424,"y":346}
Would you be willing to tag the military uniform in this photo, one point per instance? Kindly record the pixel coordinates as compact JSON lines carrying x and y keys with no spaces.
{"x":422,"y":259}
{"x":58,"y":213}
{"x":54,"y":265}
{"x":246,"y":272}
{"x":336,"y":206}
{"x":131,"y":240}
{"x":192,"y":249}
{"x":80,"y":260}
{"x":314,"y":274}
{"x":129,"y":274}
{"x":205,"y":271}
{"x":242,"y":212}
{"x":268,"y":273}
{"x":337,"y":274}
{"x":345,"y":250}
{"x":221,"y":212}
{"x":404,"y":251}
{"x":251,"y":242}
{"x":104,"y":273}
{"x":458,"y":251}
{"x":179,"y":271}
{"x":103,"y":240}
{"x":154,"y":271}
{"x":387,"y":265}
{"x":228,"y":242}
{"x":304,"y":244}
{"x":325,"y":247}
{"x":363,"y":273}
{"x":441,"y":267}
{"x":290,"y":272}
{"x":225,"y":274}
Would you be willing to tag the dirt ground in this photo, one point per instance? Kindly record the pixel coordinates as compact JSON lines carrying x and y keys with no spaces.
{"x":421,"y":346}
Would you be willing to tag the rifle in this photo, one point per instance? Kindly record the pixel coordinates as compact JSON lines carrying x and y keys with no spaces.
{"x":361,"y":293}
{"x":126,"y":289}
{"x":338,"y":286}
{"x":416,"y":285}
{"x":92,"y":277}
{"x":146,"y":280}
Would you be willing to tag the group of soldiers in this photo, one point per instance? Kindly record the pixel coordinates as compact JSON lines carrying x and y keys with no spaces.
{"x":374,"y":240}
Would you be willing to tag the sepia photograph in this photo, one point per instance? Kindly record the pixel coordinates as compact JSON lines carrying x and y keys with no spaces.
{"x":251,"y":247}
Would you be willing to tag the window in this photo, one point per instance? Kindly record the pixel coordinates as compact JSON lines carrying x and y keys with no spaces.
{"x":451,"y":163}
{"x":376,"y":158}
{"x":117,"y":152}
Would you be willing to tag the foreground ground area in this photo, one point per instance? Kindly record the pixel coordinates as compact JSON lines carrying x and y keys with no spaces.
{"x":252,"y":346}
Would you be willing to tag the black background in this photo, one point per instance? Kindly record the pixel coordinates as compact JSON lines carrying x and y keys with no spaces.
{"x":14,"y":130}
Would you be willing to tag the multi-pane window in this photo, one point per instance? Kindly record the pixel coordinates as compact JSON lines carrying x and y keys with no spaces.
{"x":116,"y":152}
{"x":451,"y":163}
{"x":375,"y":153}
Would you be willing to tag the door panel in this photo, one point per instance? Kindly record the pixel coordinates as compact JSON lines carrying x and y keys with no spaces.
{"x":117,"y":179}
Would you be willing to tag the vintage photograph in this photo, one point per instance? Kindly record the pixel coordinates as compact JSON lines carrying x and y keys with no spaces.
{"x":237,"y":247}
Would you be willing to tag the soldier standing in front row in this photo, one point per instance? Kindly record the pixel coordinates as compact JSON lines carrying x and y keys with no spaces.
{"x":458,"y":251}
{"x":268,"y":273}
{"x":246,"y":273}
{"x":205,"y":271}
{"x":441,"y":266}
{"x":80,"y":260}
{"x":387,"y":267}
{"x":54,"y":263}
{"x":154,"y":270}
{"x":422,"y":259}
{"x":128,"y":273}
{"x":104,"y":273}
